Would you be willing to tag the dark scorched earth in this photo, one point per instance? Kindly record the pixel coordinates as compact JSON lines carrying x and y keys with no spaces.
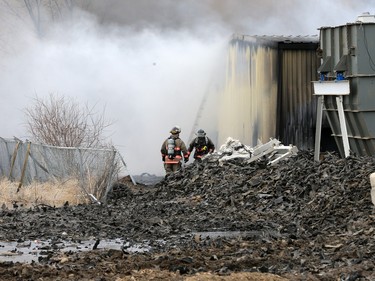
{"x":298,"y":219}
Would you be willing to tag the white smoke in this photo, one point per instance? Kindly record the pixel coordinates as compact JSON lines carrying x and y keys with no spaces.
{"x":148,"y":62}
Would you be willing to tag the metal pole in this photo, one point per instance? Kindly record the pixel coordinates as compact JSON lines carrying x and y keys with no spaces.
{"x":109,"y":180}
{"x":318,"y":129}
{"x":344,"y":132}
{"x":123,"y":162}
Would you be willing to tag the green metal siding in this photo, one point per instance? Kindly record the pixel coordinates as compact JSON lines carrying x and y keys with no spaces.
{"x":352,"y":47}
{"x":297,"y":113}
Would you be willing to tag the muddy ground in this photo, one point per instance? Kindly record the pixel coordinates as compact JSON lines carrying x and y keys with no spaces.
{"x":215,"y":220}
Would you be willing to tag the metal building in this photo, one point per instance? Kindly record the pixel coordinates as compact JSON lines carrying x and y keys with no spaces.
{"x":268,"y":92}
{"x":348,"y":54}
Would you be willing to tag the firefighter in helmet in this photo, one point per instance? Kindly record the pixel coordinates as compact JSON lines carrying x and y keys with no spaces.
{"x":173,"y":150}
{"x":202,"y":144}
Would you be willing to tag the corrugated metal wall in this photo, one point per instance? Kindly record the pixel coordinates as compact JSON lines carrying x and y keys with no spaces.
{"x":350,"y":49}
{"x":249,"y":101}
{"x":268,"y":91}
{"x":297,"y":105}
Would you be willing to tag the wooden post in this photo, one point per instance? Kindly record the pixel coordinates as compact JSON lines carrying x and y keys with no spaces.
{"x":14,"y":156}
{"x":24,"y":166}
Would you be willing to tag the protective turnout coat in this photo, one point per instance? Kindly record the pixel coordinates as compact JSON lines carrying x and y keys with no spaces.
{"x":179,"y":151}
{"x":202,"y":146}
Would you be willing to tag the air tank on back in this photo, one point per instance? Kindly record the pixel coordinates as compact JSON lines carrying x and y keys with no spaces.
{"x":348,"y":53}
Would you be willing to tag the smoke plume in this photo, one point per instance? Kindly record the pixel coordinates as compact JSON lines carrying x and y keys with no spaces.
{"x":149,"y":63}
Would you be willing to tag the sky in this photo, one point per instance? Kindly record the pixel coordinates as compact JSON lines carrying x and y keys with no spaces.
{"x":147,"y":63}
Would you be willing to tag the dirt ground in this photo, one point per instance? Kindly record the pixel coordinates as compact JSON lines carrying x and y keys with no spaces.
{"x":210,"y":261}
{"x":212,"y":221}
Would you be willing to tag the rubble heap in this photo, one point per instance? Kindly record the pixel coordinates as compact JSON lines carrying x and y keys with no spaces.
{"x":296,"y":218}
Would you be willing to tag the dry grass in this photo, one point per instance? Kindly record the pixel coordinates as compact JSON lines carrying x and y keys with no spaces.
{"x":51,"y":193}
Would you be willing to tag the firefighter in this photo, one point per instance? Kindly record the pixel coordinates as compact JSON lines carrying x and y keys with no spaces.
{"x":173,"y":150}
{"x":202,"y":144}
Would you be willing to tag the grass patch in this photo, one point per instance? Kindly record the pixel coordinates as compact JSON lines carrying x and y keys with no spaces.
{"x":54,"y":194}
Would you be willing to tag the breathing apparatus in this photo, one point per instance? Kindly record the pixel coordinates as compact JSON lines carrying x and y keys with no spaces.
{"x":170,"y":148}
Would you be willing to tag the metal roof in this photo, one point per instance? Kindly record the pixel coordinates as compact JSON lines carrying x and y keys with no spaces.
{"x":365,"y":18}
{"x":279,"y":38}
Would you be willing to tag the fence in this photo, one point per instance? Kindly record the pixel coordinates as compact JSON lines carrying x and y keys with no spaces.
{"x":95,"y":169}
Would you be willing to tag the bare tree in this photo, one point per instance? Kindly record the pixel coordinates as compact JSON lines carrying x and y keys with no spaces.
{"x":40,"y":13}
{"x":34,"y":9}
{"x":59,"y":121}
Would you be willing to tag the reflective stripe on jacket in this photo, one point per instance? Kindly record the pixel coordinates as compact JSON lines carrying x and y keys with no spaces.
{"x":180,"y":151}
{"x":174,"y":160}
{"x":201,"y":148}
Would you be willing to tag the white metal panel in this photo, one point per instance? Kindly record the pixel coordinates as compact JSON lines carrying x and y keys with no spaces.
{"x":335,"y":88}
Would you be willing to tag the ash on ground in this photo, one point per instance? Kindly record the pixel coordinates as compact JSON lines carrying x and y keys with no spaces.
{"x":298,"y":219}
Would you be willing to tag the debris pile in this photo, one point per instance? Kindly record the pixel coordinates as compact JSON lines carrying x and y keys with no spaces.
{"x":299,"y":219}
{"x":272,"y":151}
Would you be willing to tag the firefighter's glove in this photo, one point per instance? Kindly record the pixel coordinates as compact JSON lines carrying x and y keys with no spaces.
{"x":163,"y":158}
{"x":186,"y":159}
{"x":204,"y":148}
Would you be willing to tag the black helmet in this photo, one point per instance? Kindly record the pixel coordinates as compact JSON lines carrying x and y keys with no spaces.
{"x":201,"y":133}
{"x":175,"y":130}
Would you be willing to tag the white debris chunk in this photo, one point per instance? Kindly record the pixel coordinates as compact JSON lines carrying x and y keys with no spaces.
{"x":272,"y":151}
